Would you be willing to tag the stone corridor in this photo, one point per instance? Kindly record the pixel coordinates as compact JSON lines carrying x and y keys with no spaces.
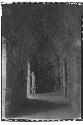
{"x":41,"y":55}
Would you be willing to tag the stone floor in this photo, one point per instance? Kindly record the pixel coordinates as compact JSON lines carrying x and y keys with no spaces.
{"x":56,"y":97}
{"x":44,"y":106}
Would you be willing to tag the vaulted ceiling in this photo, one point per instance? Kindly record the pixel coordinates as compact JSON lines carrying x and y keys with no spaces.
{"x":34,"y":26}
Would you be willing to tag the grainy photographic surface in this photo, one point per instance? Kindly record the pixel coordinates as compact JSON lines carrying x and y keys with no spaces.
{"x":41,"y":61}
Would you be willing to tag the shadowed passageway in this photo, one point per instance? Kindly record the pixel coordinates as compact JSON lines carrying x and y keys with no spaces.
{"x":41,"y":61}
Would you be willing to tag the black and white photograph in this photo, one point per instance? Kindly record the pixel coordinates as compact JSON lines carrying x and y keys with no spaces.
{"x":41,"y":61}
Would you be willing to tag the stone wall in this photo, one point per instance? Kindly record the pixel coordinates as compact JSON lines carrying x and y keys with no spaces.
{"x":73,"y":58}
{"x":15,"y":80}
{"x":3,"y":75}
